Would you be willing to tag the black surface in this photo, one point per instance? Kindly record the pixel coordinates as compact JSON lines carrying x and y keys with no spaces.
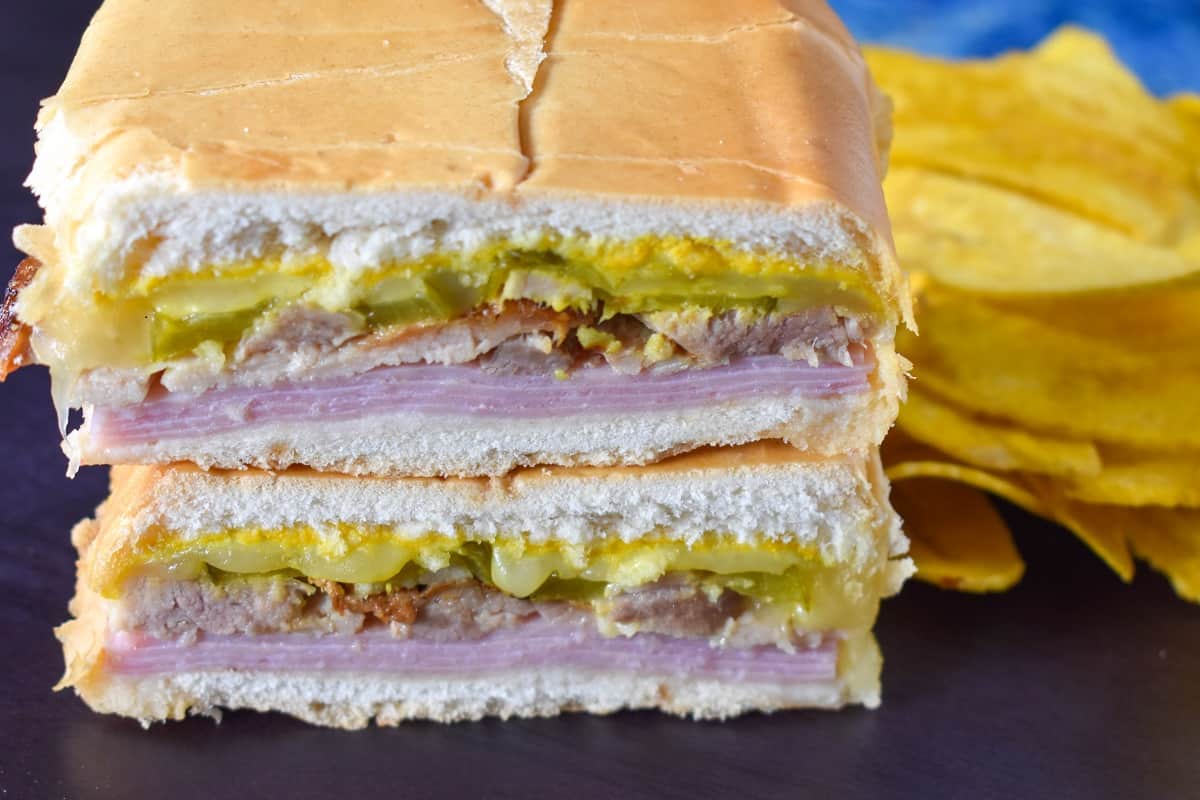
{"x":1071,"y":686}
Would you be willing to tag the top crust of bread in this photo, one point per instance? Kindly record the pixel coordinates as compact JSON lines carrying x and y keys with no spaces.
{"x":189,"y":134}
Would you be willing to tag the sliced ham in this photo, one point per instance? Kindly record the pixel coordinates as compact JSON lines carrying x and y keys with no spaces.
{"x":540,"y":644}
{"x":469,"y":391}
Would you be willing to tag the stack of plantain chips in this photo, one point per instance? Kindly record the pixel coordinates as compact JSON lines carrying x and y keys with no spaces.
{"x":1048,"y":208}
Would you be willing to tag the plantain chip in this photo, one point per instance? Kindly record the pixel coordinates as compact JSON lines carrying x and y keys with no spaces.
{"x":957,"y":538}
{"x":1104,"y":533}
{"x":1186,"y":107}
{"x":1131,"y":477}
{"x":990,"y":444}
{"x":1110,"y":474}
{"x":1041,"y":497}
{"x":970,"y":235}
{"x":1049,"y":210}
{"x":1170,"y":540}
{"x":1065,"y":123}
{"x":1187,"y":111}
{"x":1167,"y":538}
{"x":1187,"y":104}
{"x":1161,"y":321}
{"x":1010,"y":490}
{"x":1127,"y":478}
{"x":1018,"y":369}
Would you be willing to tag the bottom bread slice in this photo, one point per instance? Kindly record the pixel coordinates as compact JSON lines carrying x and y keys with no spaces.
{"x":726,"y":581}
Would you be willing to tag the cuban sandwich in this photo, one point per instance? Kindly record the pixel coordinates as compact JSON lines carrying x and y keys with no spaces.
{"x":470,"y":358}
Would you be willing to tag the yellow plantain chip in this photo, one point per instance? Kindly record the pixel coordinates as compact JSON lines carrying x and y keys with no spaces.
{"x":1017,"y":369}
{"x":1160,"y":321}
{"x":1187,"y":111}
{"x":1049,"y":210}
{"x":1170,"y":540}
{"x":1186,"y":106}
{"x":1065,"y":123}
{"x":958,"y":540}
{"x":1037,"y":496}
{"x":1008,"y":489}
{"x":1133,"y":477}
{"x":992,"y":445}
{"x":900,"y":447}
{"x":1188,"y":245}
{"x":1104,"y":533}
{"x":970,"y":235}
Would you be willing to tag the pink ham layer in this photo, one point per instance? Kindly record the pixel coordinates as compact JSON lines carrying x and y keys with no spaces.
{"x":540,"y":644}
{"x":470,"y":391}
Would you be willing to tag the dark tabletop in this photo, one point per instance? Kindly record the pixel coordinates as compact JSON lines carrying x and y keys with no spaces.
{"x":1072,"y":685}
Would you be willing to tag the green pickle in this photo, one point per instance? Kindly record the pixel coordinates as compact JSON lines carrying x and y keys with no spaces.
{"x":791,"y":588}
{"x":444,"y":286}
{"x":172,"y":337}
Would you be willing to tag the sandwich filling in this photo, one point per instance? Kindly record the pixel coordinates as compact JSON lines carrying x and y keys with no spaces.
{"x":364,"y":599}
{"x":747,"y":626}
{"x":414,"y":366}
{"x":370,"y":566}
{"x":548,"y":306}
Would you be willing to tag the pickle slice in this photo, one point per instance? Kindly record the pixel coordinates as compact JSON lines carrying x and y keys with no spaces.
{"x":173,"y":337}
{"x":221,"y":304}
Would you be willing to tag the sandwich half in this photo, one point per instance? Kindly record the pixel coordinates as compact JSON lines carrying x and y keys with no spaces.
{"x":709,"y":584}
{"x":458,"y":238}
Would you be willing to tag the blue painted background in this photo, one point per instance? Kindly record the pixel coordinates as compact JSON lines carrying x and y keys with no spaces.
{"x":1159,"y":39}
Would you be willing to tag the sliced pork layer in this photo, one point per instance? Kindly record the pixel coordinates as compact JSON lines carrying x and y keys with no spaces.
{"x":471,"y":392}
{"x":675,"y":606}
{"x":539,"y":644}
{"x":814,"y":336}
{"x":447,"y":606}
{"x":445,"y":610}
{"x":515,"y":337}
{"x":523,"y":336}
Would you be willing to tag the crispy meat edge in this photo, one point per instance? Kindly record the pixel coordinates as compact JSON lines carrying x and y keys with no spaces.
{"x":14,"y":334}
